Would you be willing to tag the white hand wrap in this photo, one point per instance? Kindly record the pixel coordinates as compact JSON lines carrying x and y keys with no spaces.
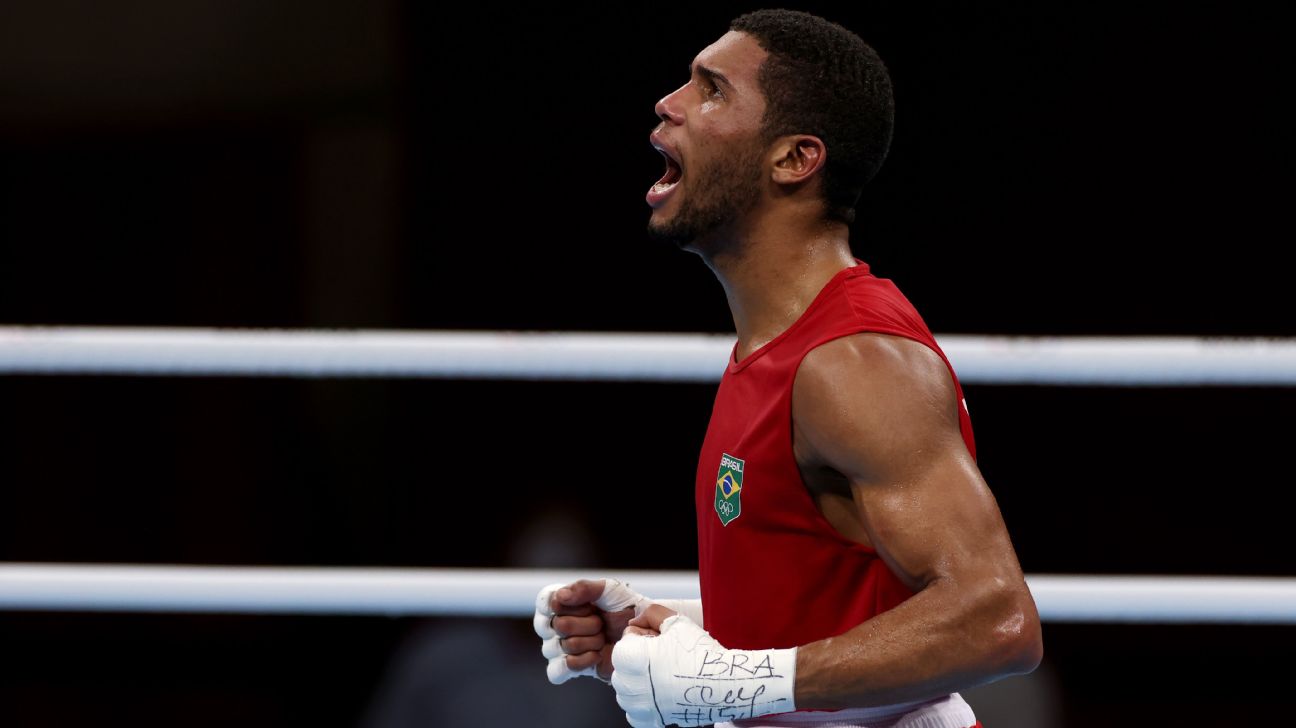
{"x":616,"y":596}
{"x":691,"y":608}
{"x":684,"y":677}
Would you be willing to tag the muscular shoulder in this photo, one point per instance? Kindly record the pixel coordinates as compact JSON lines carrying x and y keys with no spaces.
{"x":863,"y":402}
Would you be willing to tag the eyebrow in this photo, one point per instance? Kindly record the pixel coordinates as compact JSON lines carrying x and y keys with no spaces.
{"x":710,"y":74}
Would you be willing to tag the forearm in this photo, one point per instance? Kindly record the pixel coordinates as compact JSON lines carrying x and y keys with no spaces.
{"x":943,"y":639}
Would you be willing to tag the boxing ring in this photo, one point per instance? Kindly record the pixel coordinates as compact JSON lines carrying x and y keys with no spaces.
{"x":1048,"y":361}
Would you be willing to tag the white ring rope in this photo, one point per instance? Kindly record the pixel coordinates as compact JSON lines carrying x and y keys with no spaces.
{"x":511,"y":592}
{"x":1129,"y":361}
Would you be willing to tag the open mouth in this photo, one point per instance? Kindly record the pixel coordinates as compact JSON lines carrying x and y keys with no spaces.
{"x":672,"y":175}
{"x":662,"y":188}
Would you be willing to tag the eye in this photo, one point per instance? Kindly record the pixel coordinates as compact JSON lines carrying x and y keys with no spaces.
{"x":711,"y":90}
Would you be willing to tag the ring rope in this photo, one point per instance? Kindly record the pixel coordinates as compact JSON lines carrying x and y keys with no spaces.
{"x":511,"y":592}
{"x":1119,"y":361}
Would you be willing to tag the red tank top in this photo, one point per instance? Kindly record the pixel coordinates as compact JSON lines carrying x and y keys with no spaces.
{"x":774,"y":573}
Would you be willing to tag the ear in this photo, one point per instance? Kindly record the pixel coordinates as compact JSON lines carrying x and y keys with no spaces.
{"x":797,"y":158}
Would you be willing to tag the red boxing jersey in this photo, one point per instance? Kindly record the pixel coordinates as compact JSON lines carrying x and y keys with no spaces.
{"x":774,"y":573}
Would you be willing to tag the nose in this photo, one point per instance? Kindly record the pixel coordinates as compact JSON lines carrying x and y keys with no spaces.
{"x":668,"y":107}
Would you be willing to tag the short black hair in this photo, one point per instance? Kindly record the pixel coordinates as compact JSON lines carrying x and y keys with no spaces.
{"x":822,"y":79}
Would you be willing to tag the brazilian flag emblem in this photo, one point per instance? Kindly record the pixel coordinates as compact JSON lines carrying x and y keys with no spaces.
{"x":728,"y":498}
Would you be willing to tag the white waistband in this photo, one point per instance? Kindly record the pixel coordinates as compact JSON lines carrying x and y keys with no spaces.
{"x":950,"y":711}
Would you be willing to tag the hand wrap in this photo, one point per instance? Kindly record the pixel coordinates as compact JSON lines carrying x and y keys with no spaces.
{"x":616,"y":596}
{"x":685,"y":677}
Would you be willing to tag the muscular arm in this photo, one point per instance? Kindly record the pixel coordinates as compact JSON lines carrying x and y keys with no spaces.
{"x":881,"y":410}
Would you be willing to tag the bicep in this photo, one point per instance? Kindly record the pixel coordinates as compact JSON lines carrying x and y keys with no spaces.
{"x":935,"y":520}
{"x":882,"y":411}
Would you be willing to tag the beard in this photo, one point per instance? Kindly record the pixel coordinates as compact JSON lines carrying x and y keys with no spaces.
{"x":720,"y":193}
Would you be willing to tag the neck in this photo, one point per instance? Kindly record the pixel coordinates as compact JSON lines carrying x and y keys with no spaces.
{"x":771,"y":270}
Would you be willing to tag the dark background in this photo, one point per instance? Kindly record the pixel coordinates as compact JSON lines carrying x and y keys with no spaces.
{"x":1057,"y":169}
